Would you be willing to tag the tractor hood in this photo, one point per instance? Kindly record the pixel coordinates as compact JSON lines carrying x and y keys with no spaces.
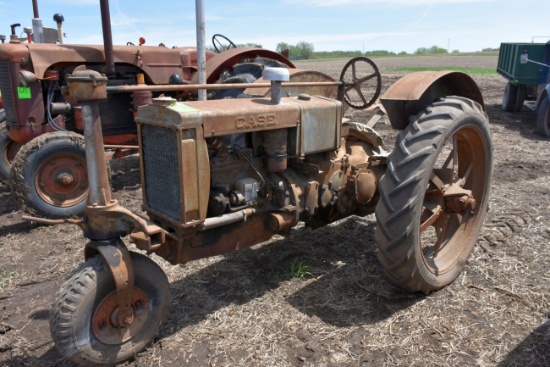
{"x":158,"y":63}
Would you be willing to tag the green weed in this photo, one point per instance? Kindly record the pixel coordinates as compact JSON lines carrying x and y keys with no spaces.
{"x":297,"y":269}
{"x":6,"y":279}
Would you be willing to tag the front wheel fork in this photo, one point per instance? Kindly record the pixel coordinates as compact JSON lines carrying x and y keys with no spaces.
{"x":117,"y":258}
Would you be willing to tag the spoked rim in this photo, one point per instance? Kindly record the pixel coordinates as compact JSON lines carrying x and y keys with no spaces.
{"x":451,"y":209}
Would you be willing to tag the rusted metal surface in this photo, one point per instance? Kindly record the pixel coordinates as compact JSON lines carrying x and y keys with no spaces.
{"x":194,"y":87}
{"x":158,"y":63}
{"x":86,"y":85}
{"x":182,"y":193}
{"x":217,"y":64}
{"x":280,"y":222}
{"x":225,"y":117}
{"x":107,"y":37}
{"x":118,"y":260}
{"x":232,"y":237}
{"x":62,"y":180}
{"x":110,"y":328}
{"x":455,"y":187}
{"x":275,"y":145}
{"x":410,"y":94}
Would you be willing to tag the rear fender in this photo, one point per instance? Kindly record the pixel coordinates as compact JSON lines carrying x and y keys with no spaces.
{"x":414,"y":92}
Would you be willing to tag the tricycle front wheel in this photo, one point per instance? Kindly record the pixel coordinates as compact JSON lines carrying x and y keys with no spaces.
{"x":83,"y":316}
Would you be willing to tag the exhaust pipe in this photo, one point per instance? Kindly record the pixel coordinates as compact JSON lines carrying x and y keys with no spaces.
{"x":37,"y":27}
{"x":107,"y":38}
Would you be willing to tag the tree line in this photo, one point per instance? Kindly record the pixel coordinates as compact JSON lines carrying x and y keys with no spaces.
{"x":305,"y":50}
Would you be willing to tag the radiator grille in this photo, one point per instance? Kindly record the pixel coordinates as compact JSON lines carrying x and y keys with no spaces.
{"x":160,"y":163}
{"x":5,"y":87}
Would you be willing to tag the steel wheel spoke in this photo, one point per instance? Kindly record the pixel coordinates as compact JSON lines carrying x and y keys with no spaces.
{"x":364,"y":79}
{"x":441,"y":236}
{"x":434,"y":178}
{"x":429,"y":219}
{"x":463,"y":180}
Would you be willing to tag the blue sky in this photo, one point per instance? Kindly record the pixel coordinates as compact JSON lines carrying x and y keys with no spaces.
{"x":394,"y":25}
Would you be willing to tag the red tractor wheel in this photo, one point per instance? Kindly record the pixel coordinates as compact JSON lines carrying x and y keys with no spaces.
{"x":8,"y":150}
{"x":49,"y":175}
{"x":434,"y":195}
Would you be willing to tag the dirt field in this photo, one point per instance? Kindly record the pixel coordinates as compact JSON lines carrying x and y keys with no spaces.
{"x":244,"y":310}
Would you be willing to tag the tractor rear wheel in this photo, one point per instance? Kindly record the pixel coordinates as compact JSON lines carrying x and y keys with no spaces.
{"x":8,"y":150}
{"x":509,"y":97}
{"x":434,"y":195}
{"x":543,"y":118}
{"x":81,"y":317}
{"x":49,"y":175}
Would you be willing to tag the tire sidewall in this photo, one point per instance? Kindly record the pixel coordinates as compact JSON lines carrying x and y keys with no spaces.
{"x":467,"y":120}
{"x":5,"y":142}
{"x":28,"y":162}
{"x":543,"y":118}
{"x":509,"y":97}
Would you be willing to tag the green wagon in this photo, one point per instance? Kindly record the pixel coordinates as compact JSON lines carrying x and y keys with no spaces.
{"x":527,"y":80}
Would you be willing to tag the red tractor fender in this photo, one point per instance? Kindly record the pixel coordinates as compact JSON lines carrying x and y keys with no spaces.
{"x":217,"y":64}
{"x":414,"y":92}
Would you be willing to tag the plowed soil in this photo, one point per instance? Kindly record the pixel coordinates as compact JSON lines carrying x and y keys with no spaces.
{"x":243,"y":309}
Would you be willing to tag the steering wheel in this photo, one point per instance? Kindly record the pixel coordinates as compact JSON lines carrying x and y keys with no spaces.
{"x":362,"y":81}
{"x":222,"y":43}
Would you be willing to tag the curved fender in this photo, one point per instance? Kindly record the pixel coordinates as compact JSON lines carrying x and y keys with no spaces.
{"x":216,"y":65}
{"x":415,"y":91}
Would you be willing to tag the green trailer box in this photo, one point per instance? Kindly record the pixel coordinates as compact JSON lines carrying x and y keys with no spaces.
{"x":510,"y":67}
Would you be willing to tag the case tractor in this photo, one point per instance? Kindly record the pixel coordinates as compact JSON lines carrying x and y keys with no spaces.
{"x":226,"y":174}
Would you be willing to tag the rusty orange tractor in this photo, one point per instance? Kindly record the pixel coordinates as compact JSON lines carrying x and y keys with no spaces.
{"x":222,"y":175}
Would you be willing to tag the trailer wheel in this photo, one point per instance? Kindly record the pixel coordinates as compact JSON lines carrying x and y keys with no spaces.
{"x":543,"y":118}
{"x":433,"y":197}
{"x":49,"y":176}
{"x":77,"y":321}
{"x":8,"y":150}
{"x":521,"y":94}
{"x":509,"y":98}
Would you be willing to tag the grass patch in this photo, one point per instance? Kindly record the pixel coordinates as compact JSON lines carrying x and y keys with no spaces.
{"x":6,"y":279}
{"x":297,"y":269}
{"x":474,"y":71}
